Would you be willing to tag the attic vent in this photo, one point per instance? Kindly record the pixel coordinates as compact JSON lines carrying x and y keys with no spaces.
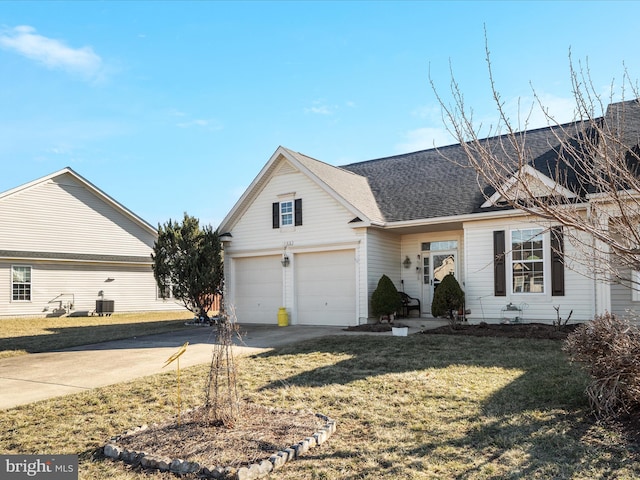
{"x":285,"y":169}
{"x":356,"y":220}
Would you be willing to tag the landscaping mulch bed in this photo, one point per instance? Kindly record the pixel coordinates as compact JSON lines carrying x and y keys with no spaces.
{"x":517,"y":330}
{"x":257,"y":433}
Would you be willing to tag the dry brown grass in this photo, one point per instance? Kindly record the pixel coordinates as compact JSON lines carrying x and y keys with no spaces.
{"x":417,"y":407}
{"x":19,"y":336}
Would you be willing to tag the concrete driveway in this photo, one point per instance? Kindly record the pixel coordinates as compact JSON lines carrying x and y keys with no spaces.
{"x":29,"y":378}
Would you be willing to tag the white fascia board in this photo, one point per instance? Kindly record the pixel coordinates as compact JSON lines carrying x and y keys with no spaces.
{"x":337,"y":197}
{"x":464,"y":218}
{"x":454,"y":219}
{"x":529,"y":170}
{"x":229,"y":220}
{"x":604,"y":197}
{"x":225,"y":225}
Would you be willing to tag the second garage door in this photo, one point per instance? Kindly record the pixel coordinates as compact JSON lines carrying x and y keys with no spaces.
{"x":326,"y":288}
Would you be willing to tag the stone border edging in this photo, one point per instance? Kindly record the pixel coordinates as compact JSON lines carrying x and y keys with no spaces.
{"x":253,"y":471}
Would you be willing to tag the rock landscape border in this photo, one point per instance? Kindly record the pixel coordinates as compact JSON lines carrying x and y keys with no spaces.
{"x":252,"y":471}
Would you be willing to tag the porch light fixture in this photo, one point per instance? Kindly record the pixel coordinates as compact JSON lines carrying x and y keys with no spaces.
{"x":407,"y":262}
{"x":285,"y":261}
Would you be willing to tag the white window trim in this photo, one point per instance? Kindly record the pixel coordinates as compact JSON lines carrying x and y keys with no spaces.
{"x":290,"y":214}
{"x":546,"y":263}
{"x":635,"y":294}
{"x":30,"y":284}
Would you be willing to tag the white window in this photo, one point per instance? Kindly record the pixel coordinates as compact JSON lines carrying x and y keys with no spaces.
{"x":527,"y":260}
{"x":286,"y":213}
{"x":21,"y":283}
{"x":168,"y":291}
{"x":635,"y":285}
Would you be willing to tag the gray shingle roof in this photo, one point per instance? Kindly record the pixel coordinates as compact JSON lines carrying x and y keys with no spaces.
{"x":439,"y":183}
{"x":436,"y":182}
{"x":353,"y":188}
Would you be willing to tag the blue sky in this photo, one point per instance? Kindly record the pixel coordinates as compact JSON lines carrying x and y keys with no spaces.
{"x":175,"y":106}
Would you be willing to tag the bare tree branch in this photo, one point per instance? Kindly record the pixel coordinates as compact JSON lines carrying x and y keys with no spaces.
{"x":592,"y":162}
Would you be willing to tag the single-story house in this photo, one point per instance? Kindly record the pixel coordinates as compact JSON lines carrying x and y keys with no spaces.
{"x":315,"y":239}
{"x":67,"y":248}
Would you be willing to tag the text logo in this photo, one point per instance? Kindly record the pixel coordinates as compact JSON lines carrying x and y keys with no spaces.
{"x":44,"y":467}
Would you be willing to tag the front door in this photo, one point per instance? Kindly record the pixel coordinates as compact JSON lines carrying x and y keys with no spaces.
{"x":435,"y":266}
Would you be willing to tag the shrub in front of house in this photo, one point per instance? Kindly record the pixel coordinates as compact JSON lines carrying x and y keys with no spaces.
{"x":448,"y":298}
{"x":608,"y":347}
{"x":385,"y":299}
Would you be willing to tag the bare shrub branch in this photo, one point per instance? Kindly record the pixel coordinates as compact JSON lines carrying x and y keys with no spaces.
{"x":609,"y":349}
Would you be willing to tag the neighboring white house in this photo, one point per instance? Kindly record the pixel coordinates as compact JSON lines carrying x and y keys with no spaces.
{"x":64,"y":244}
{"x":315,"y":239}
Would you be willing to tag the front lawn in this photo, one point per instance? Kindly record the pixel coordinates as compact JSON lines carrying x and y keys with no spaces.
{"x":417,"y":407}
{"x":19,"y":336}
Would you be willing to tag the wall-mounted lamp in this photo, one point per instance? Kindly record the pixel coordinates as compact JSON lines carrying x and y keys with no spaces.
{"x":418,"y":257}
{"x":407,"y":262}
{"x":226,"y":237}
{"x":285,"y":261}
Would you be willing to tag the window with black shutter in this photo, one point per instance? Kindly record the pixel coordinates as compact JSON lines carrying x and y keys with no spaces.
{"x":286,"y":213}
{"x":298,"y":211}
{"x":557,"y":261}
{"x":499,"y":264}
{"x":276,"y":214}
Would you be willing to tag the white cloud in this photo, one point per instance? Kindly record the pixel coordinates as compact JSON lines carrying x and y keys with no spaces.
{"x":526,"y":112}
{"x":425,"y":138}
{"x":201,"y":123}
{"x":52,"y":53}
{"x":321,"y":108}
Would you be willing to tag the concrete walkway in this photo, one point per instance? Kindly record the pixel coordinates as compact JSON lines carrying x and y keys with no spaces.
{"x":38,"y":376}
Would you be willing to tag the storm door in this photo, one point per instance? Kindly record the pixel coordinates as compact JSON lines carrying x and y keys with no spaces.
{"x":439,"y":259}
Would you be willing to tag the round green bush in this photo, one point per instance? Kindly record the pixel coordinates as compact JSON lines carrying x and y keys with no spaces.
{"x":447,"y":298}
{"x":385,"y":299}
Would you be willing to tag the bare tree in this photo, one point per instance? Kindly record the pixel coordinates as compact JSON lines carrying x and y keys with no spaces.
{"x":592,"y":164}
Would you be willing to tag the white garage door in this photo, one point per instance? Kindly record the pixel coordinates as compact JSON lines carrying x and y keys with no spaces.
{"x":326,"y":288}
{"x":258,"y":289}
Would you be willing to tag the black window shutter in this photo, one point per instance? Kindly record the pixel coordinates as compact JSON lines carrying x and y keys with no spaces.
{"x":557,"y":261}
{"x":298,"y":211}
{"x":276,"y":215}
{"x":499,"y":265}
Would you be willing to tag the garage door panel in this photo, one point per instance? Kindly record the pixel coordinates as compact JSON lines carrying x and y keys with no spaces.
{"x":325,"y":287}
{"x":258,"y":289}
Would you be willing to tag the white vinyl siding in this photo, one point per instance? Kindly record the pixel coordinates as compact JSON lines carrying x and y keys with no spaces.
{"x":326,"y":228}
{"x":625,"y":301}
{"x":325,"y":220}
{"x":131,"y":288}
{"x":77,"y":244}
{"x":64,"y":216}
{"x":383,"y":258}
{"x":479,"y":280}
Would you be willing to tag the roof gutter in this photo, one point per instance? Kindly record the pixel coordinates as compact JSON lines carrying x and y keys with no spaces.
{"x":460,"y":218}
